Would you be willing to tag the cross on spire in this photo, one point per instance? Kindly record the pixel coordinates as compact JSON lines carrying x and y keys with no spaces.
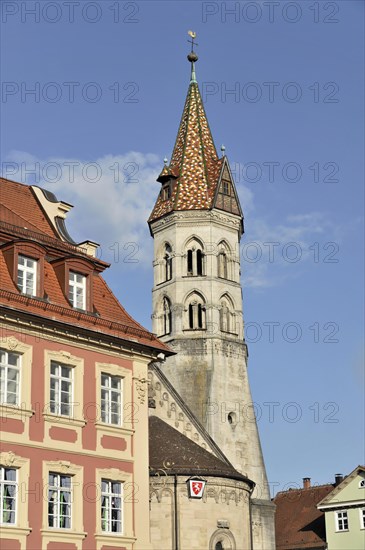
{"x":193,"y":36}
{"x":192,"y":57}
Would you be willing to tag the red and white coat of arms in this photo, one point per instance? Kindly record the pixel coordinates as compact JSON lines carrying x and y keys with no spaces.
{"x":196,"y":488}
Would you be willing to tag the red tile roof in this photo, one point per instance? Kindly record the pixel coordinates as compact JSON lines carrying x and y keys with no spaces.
{"x":20,"y":210}
{"x":20,"y":206}
{"x":298,"y":523}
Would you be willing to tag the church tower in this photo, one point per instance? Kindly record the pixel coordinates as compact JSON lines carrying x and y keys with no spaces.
{"x":197,"y":224}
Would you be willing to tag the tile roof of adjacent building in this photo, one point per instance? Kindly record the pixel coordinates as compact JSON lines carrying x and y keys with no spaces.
{"x":298,"y":523}
{"x":177,"y":454}
{"x":23,"y":218}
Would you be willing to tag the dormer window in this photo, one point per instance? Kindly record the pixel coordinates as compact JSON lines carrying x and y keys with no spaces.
{"x":27,"y":275}
{"x":166,"y":191}
{"x":77,"y":290}
{"x":226,"y":187}
{"x":25,"y":263}
{"x":76,"y":279}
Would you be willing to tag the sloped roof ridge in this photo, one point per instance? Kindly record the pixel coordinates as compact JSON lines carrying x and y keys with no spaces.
{"x":338,"y":488}
{"x":154,"y":366}
{"x":26,"y":190}
{"x":314,"y":486}
{"x":47,"y":239}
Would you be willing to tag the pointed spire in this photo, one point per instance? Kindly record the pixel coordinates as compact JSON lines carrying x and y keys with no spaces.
{"x":195,"y":170}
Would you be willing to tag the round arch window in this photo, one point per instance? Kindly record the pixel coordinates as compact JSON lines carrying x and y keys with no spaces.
{"x":222,"y":539}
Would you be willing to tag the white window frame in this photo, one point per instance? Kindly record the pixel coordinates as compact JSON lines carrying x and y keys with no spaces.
{"x":57,"y":490}
{"x":109,"y":496}
{"x":104,"y":538}
{"x":362,"y":518}
{"x":20,"y":530}
{"x":341,"y":516}
{"x":4,"y":483}
{"x":25,"y":271}
{"x":106,"y":412}
{"x":58,"y":393}
{"x":5,"y":367}
{"x":73,"y":286}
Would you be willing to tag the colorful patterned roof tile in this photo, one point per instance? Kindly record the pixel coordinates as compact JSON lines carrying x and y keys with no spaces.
{"x":195,"y":171}
{"x":194,"y":165}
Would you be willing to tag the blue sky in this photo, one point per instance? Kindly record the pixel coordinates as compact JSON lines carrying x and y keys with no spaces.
{"x":110,"y":82}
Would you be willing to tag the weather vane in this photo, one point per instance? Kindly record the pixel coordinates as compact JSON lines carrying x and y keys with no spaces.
{"x":193,"y":36}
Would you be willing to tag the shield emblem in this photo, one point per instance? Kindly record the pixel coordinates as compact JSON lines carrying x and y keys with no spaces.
{"x":196,"y":487}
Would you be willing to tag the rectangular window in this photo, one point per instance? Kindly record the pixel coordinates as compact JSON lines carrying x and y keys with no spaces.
{"x":27,"y":275}
{"x":61,"y":389}
{"x":111,"y":506}
{"x":9,"y":377}
{"x":342,"y":521}
{"x":8,"y":492}
{"x":59,"y":501}
{"x":166,"y":192}
{"x":111,"y":399}
{"x":77,"y":290}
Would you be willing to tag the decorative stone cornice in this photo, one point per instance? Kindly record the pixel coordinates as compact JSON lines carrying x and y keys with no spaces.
{"x":196,"y":218}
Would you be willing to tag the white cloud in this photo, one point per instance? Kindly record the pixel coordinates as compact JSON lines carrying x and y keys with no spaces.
{"x":113,"y":198}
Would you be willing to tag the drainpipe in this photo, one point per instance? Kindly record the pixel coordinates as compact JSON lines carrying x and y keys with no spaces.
{"x":250,"y":515}
{"x":176,"y":514}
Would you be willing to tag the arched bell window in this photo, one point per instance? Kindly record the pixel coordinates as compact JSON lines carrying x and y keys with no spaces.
{"x":195,"y":310}
{"x":195,"y":258}
{"x":227,"y":315}
{"x":223,"y":264}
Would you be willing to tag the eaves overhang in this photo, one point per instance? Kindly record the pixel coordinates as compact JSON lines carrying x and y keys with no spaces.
{"x":126,"y":341}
